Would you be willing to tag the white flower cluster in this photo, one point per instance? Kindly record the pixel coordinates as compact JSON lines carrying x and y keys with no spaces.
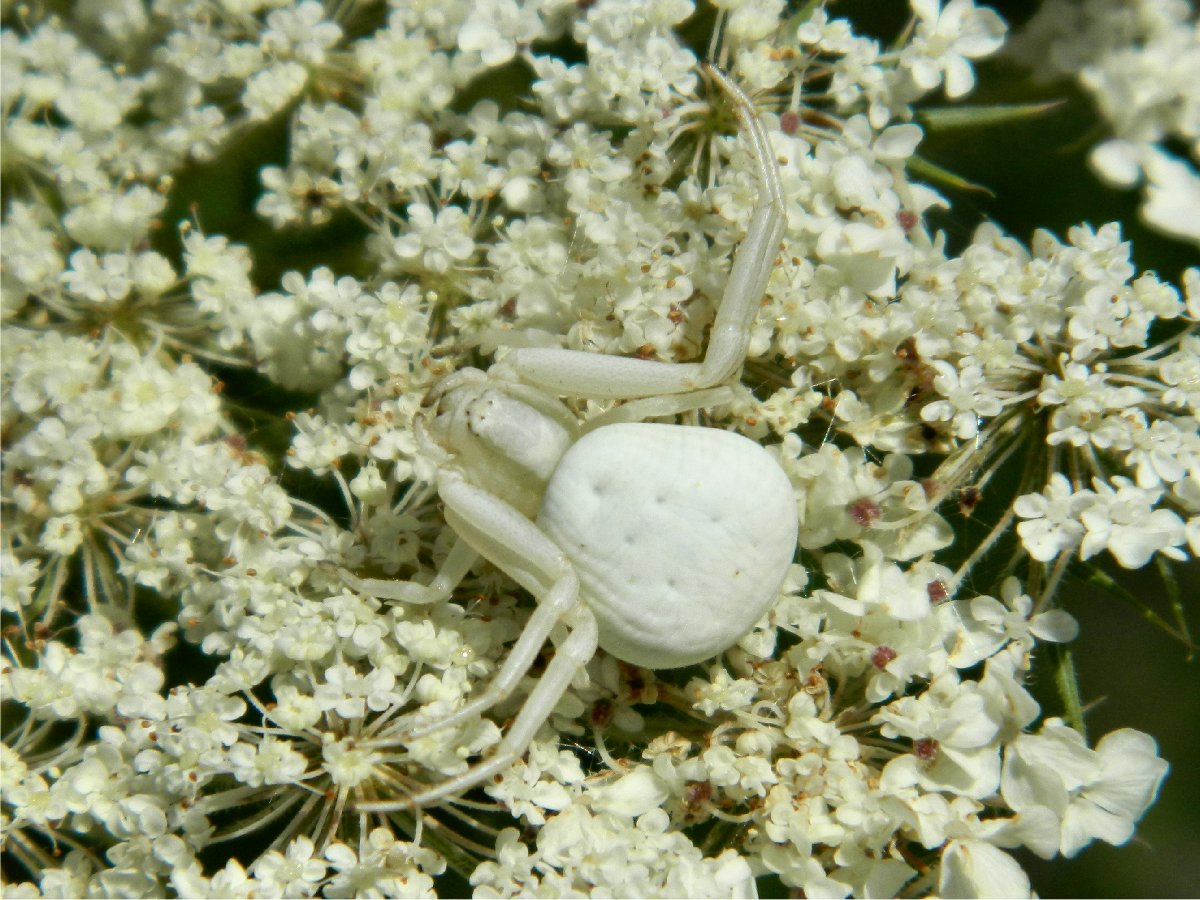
{"x":183,"y":661}
{"x":1139,"y":60}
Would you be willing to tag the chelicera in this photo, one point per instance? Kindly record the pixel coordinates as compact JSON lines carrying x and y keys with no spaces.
{"x":662,"y":544}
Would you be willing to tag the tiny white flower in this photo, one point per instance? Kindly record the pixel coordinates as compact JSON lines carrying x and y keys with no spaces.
{"x":1096,"y":793}
{"x":1123,"y":521}
{"x":270,"y":90}
{"x":632,"y":794}
{"x":946,"y":39}
{"x":348,"y":765}
{"x":435,"y":241}
{"x":350,"y":694}
{"x":62,"y":534}
{"x":293,"y":873}
{"x":1052,"y":524}
{"x":496,"y":28}
{"x":987,"y":624}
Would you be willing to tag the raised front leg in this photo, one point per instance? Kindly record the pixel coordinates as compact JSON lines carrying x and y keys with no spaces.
{"x":578,"y":374}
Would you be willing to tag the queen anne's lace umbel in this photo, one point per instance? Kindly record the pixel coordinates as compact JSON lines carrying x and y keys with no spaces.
{"x":872,"y":735}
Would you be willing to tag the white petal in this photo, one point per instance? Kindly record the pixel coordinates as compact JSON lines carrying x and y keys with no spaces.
{"x":631,"y":795}
{"x":1055,"y":625}
{"x":898,"y":142}
{"x":1172,"y":197}
{"x":1118,"y":162}
{"x":960,"y":77}
{"x":977,"y":869}
{"x":1132,"y":772}
{"x":1085,"y":821}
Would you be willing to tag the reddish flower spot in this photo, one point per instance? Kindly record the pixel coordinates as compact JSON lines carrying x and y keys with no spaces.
{"x":790,"y":122}
{"x":602,"y":713}
{"x":635,"y":682}
{"x":695,"y":794}
{"x":938,"y":592}
{"x":925,"y":748}
{"x":907,"y":219}
{"x":881,"y":656}
{"x":864,"y":511}
{"x":908,"y":352}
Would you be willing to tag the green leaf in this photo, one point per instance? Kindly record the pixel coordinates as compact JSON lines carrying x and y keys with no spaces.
{"x":1066,"y":679}
{"x":923,"y":168}
{"x":1171,"y":587}
{"x":948,"y":118}
{"x":1106,"y":583}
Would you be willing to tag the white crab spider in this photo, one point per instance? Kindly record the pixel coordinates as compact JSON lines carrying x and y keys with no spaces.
{"x":662,"y":544}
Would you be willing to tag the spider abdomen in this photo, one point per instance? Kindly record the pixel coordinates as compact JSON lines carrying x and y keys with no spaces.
{"x":681,"y":536}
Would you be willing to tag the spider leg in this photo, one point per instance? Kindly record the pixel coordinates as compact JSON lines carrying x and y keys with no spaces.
{"x":454,"y":569}
{"x":579,"y":374}
{"x":654,"y":407}
{"x":755,"y":256}
{"x":572,"y":654}
{"x":511,"y":541}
